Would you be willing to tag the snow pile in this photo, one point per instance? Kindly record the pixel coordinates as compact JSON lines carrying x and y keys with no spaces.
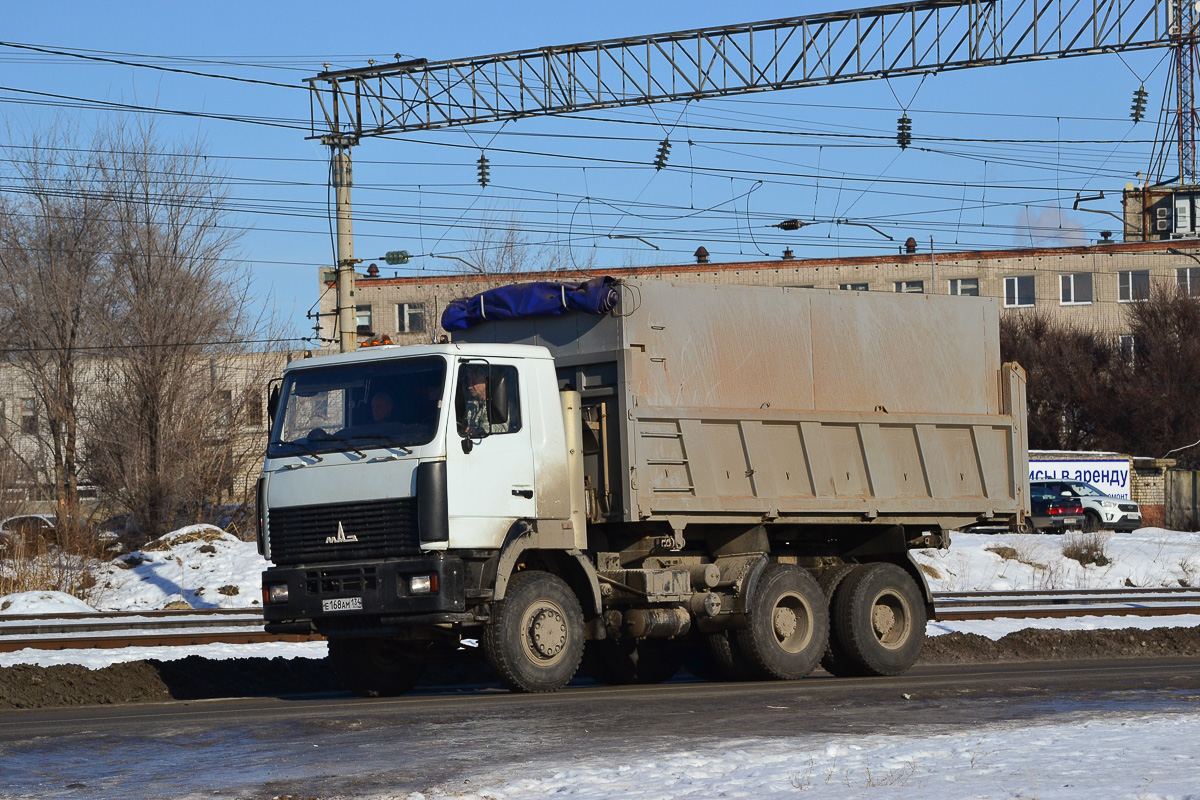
{"x":1146,"y":558}
{"x":1069,"y":756}
{"x":43,"y":603}
{"x":200,"y":565}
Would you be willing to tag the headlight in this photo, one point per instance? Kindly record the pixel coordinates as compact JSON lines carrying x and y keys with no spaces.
{"x":275,"y":593}
{"x":1107,"y":504}
{"x":422,"y":584}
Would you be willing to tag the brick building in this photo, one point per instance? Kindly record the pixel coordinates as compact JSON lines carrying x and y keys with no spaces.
{"x":1087,"y":285}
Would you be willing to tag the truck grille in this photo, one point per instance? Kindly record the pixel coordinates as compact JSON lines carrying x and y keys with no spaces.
{"x":1127,"y":506}
{"x":376,"y":529}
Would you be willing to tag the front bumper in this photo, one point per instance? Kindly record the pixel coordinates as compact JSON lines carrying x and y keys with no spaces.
{"x":1125,"y":523}
{"x":369,"y":594}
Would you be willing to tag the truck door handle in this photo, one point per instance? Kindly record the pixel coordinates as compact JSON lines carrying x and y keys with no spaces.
{"x":526,"y":493}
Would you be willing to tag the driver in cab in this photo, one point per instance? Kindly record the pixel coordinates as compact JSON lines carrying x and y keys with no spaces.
{"x":474,"y":417}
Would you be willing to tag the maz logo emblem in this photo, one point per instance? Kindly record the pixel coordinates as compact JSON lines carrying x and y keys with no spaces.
{"x":341,"y":538}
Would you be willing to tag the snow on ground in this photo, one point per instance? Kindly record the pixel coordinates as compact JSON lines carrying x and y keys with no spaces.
{"x":43,"y":603}
{"x":1148,"y":557}
{"x":201,"y":565}
{"x":1070,"y":756}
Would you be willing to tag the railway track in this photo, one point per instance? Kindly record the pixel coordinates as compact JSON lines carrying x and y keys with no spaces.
{"x":244,"y":626}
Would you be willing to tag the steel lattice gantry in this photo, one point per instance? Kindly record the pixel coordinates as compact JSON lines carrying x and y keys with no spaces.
{"x":884,"y":41}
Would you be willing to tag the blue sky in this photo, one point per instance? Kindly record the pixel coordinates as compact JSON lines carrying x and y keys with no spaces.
{"x":576,"y":190}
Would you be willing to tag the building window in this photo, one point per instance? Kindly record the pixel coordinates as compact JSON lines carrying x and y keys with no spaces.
{"x":1133,"y":285}
{"x":1188,"y":279}
{"x":410,"y":317}
{"x":967,"y":287}
{"x":362,"y":318}
{"x":1125,"y":342}
{"x":29,"y":421}
{"x":1076,"y":289}
{"x":254,"y":408}
{"x":855,"y":287}
{"x":224,"y":408}
{"x":910,"y":287}
{"x":1018,"y":291}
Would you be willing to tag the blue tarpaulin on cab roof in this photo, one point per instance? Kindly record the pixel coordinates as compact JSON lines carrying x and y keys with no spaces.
{"x":543,"y":298}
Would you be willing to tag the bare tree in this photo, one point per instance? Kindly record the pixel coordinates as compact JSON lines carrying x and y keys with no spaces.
{"x":1153,"y":406}
{"x":1068,"y":372}
{"x":163,"y":439}
{"x":53,"y":242}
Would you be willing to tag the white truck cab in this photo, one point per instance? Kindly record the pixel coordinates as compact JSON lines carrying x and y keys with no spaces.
{"x":362,"y":450}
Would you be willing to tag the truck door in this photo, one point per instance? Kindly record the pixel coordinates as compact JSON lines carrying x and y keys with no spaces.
{"x":490,"y":468}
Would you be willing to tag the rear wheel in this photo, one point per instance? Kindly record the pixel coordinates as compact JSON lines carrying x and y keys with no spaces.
{"x":834,"y":661}
{"x":722,"y":651}
{"x":378,"y":667}
{"x":788,"y":627}
{"x":534,"y":640}
{"x":880,"y":618}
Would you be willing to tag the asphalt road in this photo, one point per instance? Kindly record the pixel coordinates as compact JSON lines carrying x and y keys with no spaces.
{"x":338,"y":746}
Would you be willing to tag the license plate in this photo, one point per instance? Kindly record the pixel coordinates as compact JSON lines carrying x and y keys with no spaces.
{"x":342,"y":604}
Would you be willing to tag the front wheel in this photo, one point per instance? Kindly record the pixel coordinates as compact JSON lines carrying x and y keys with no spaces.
{"x":880,"y":620}
{"x":1091,"y":521}
{"x":378,"y":667}
{"x":788,"y":623}
{"x":534,"y":640}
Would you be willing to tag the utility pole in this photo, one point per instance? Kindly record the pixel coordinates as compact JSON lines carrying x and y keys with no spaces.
{"x":1184,"y":37}
{"x":343,"y":180}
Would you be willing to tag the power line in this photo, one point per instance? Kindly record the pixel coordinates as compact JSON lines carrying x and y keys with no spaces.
{"x":123,"y":63}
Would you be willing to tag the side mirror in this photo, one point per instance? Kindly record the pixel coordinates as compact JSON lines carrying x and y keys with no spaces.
{"x":273,"y":398}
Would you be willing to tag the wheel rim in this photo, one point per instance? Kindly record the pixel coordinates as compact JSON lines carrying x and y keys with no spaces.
{"x":891,"y":620}
{"x":545,"y":633}
{"x":791,"y":622}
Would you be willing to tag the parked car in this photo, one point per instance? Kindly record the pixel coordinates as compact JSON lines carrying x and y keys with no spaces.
{"x":43,"y":526}
{"x":1053,"y":511}
{"x":1101,"y":511}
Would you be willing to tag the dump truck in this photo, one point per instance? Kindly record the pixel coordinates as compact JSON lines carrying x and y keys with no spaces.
{"x":627,"y":474}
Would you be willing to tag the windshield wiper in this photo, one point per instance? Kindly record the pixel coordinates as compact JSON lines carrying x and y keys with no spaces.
{"x":382,"y":438}
{"x":304,"y":447}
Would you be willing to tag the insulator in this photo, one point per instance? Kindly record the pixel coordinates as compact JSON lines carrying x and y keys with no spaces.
{"x":1138,"y":110}
{"x":904,"y":131}
{"x":664,"y":150}
{"x":789,"y":225}
{"x":483,"y":170}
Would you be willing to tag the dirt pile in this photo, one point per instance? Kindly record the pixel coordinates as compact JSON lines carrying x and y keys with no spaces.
{"x":1038,"y":645}
{"x":195,"y":678}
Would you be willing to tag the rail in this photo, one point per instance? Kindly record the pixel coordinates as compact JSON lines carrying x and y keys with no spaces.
{"x":245,"y":626}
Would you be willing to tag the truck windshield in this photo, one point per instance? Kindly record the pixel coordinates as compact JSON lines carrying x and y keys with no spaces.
{"x":351,"y":407}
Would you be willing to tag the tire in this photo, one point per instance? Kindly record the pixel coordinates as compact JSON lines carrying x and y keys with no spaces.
{"x":619,"y":662}
{"x":880,"y":618}
{"x":534,"y":640}
{"x":834,"y":661}
{"x":378,"y":667}
{"x":1091,"y":521}
{"x":723,"y":652}
{"x":788,"y":627}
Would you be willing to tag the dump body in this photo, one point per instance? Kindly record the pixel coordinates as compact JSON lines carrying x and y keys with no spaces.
{"x":741,"y":403}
